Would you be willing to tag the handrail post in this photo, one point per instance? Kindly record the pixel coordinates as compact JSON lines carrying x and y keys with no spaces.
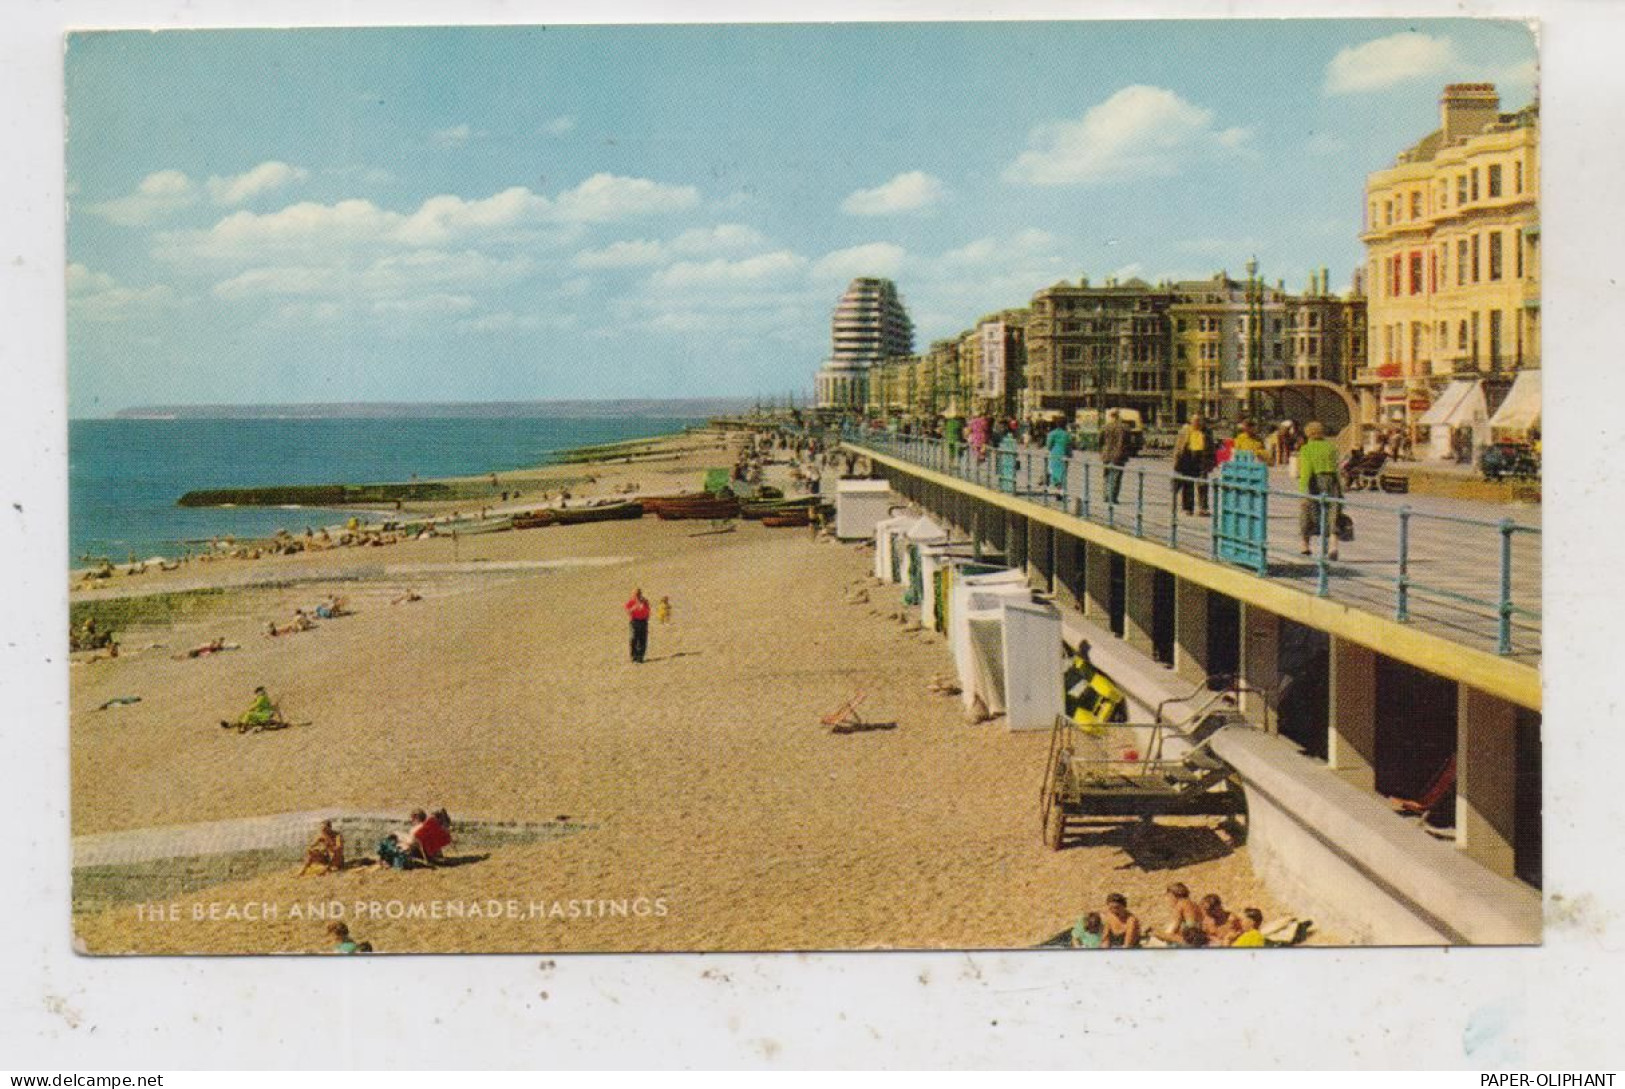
{"x":1083,"y":501}
{"x":1323,"y":587}
{"x":1402,"y":604}
{"x":1139,"y":505}
{"x":1503,"y":643}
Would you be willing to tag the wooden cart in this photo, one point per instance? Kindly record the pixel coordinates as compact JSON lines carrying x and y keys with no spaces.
{"x":1079,"y":784}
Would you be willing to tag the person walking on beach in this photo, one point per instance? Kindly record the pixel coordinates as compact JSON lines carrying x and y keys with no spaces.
{"x":637,"y":611}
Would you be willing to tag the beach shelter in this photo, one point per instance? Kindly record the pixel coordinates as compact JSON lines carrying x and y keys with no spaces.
{"x":935,"y":563}
{"x":969,"y":600}
{"x":859,"y":506}
{"x":1460,"y":405}
{"x":1033,"y":695}
{"x":1520,"y":412}
{"x":924,"y":531}
{"x":887,"y":531}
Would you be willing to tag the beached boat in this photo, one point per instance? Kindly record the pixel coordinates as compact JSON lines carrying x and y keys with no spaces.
{"x":536,"y":519}
{"x":603,"y":512}
{"x":795,"y":516}
{"x":755,"y":509}
{"x":470,"y":526}
{"x":671,"y":508}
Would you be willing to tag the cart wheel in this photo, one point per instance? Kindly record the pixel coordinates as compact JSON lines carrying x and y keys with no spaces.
{"x":1054,"y":823}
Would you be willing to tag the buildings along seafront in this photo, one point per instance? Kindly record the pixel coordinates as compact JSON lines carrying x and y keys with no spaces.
{"x":1452,"y":236}
{"x":1433,"y":334}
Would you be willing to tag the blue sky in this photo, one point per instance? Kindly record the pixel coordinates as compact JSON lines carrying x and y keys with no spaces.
{"x":527,"y":213}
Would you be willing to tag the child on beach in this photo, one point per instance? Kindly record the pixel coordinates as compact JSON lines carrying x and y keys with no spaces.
{"x":663,"y":611}
{"x":326,"y":851}
{"x":343,"y":943}
{"x":1089,"y":932}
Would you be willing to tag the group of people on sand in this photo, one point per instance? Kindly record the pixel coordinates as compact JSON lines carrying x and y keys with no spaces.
{"x":1190,"y":924}
{"x":330,"y":607}
{"x":422,"y":843}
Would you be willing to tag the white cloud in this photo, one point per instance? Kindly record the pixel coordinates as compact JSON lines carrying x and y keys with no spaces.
{"x":1386,"y":62}
{"x":766,"y":268}
{"x":158,"y":196}
{"x":437,"y":305}
{"x":96,"y":296}
{"x":277,"y":280}
{"x":999,"y":250}
{"x":1138,"y":132}
{"x":914,"y":191}
{"x":697,"y":242}
{"x":630,"y":253}
{"x":603,"y":198}
{"x":723,"y":238}
{"x":420,"y":269}
{"x":559,"y":126}
{"x":442,"y":218}
{"x":870,"y":259}
{"x":263,"y":178}
{"x":454,"y":137}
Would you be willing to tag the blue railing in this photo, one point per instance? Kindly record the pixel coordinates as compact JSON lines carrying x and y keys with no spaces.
{"x":1472,"y":579}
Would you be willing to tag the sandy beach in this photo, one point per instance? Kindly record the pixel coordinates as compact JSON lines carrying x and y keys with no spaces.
{"x":703,"y":777}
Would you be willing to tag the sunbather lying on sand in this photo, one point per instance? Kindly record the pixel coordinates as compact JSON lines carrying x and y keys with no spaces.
{"x":300,"y":622}
{"x":203,"y":650}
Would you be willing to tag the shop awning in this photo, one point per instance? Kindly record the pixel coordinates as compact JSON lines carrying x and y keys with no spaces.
{"x":1453,"y":404}
{"x":1521,"y":410}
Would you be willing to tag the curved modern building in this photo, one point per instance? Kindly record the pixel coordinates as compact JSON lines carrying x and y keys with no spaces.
{"x":869,"y":325}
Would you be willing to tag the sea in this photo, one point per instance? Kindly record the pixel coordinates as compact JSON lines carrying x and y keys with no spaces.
{"x":124,"y":475}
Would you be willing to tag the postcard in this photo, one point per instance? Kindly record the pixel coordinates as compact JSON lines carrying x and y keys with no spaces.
{"x":1043,"y":485}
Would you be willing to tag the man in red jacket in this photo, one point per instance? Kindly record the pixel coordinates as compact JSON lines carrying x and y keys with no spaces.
{"x":638,"y":611}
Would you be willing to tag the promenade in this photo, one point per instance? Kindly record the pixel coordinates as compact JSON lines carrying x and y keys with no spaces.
{"x":1466,"y":571}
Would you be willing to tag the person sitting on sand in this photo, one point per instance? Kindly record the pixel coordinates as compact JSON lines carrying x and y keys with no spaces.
{"x":1218,"y":924}
{"x":325,"y":851}
{"x":1251,"y":936}
{"x":333,"y":606}
{"x":410,"y":595}
{"x":262,"y":714}
{"x":1186,"y":915}
{"x":431,"y":835}
{"x":342,"y":942}
{"x":1089,"y":932}
{"x":1122,"y":929}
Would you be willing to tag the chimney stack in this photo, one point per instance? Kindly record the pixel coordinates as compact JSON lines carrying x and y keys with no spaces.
{"x":1466,"y":108}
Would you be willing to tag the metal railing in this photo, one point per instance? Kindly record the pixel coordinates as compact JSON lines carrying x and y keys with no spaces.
{"x":1423,"y":560}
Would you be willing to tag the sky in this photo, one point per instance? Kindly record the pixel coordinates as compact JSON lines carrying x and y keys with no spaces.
{"x":528,"y":213}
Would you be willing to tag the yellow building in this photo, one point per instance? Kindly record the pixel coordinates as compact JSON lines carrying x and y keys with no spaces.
{"x":1452,"y":272}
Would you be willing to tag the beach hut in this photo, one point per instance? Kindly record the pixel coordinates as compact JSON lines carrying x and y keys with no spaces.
{"x":1011,"y":655}
{"x":887,"y":532}
{"x":923,"y":532}
{"x":859,"y":506}
{"x":936,"y":561}
{"x":968,"y":601}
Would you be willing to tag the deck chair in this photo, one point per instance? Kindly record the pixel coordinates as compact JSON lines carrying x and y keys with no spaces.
{"x":846,"y":718}
{"x":1441,"y":786}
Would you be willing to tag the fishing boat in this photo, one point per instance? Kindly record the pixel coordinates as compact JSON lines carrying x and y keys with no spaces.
{"x":470,"y":526}
{"x":794,"y":516}
{"x":756,"y":509}
{"x":602,"y":512}
{"x":674,"y":507}
{"x":536,"y":519}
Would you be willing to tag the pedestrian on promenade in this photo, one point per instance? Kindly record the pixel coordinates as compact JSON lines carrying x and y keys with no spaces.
{"x":637,"y":611}
{"x":1247,"y":441}
{"x":1116,"y":447}
{"x":1318,"y":476}
{"x":1193,"y":461}
{"x":1059,"y":444}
